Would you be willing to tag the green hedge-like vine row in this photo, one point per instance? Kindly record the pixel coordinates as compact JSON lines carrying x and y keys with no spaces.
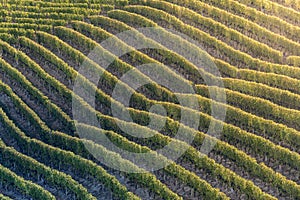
{"x":109,"y":125}
{"x":259,"y":107}
{"x":242,"y":25}
{"x":20,"y":14}
{"x":26,"y":187}
{"x":47,"y":4}
{"x":253,"y":100}
{"x":65,"y":10}
{"x":276,"y":136}
{"x":200,"y":137}
{"x":73,"y":2}
{"x":75,"y":145}
{"x":52,"y":176}
{"x":275,"y":95}
{"x":114,"y":125}
{"x":294,"y":60}
{"x":234,"y":55}
{"x":146,"y":179}
{"x":259,"y":170}
{"x":200,"y":161}
{"x":247,"y":121}
{"x":43,"y":4}
{"x":99,"y":35}
{"x":289,"y":83}
{"x":2,"y":197}
{"x":84,"y":166}
{"x":184,"y":173}
{"x":121,"y":66}
{"x":48,"y":55}
{"x":244,"y":43}
{"x":108,"y":79}
{"x":157,"y":188}
{"x":54,"y":110}
{"x":4,"y":32}
{"x":263,"y":127}
{"x":54,"y":22}
{"x":271,"y":79}
{"x":26,"y":26}
{"x":291,"y":4}
{"x":272,"y":23}
{"x":272,"y":8}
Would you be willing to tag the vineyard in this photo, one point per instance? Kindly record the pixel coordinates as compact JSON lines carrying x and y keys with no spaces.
{"x":255,"y":47}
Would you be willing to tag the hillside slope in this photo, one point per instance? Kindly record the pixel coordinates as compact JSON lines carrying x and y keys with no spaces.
{"x":51,"y":148}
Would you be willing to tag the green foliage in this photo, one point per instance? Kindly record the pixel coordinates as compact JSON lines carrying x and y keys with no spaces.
{"x":290,"y":138}
{"x":73,"y":145}
{"x":275,"y":95}
{"x":245,"y":26}
{"x":76,"y":146}
{"x":58,"y":155}
{"x":294,"y":4}
{"x":294,"y":60}
{"x":2,"y":197}
{"x":270,"y":22}
{"x":272,"y":8}
{"x":26,"y":187}
{"x":53,"y":109}
{"x":214,"y":28}
{"x":38,"y":20}
{"x":240,"y":59}
{"x":52,"y":176}
{"x":247,"y":121}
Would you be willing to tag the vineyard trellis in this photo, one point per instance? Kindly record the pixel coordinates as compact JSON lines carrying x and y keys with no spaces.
{"x":255,"y":46}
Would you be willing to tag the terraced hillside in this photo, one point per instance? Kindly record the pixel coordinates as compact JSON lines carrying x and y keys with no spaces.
{"x":255,"y":46}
